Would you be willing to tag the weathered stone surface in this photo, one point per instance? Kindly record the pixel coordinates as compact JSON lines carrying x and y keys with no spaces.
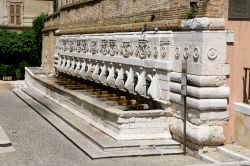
{"x":203,"y":23}
{"x":202,"y":92}
{"x":200,"y":81}
{"x":204,"y":69}
{"x":201,"y":104}
{"x":201,"y":135}
{"x":196,"y":23}
{"x":242,"y":124}
{"x":199,"y":117}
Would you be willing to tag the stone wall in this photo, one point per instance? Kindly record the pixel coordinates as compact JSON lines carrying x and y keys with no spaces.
{"x":48,"y":50}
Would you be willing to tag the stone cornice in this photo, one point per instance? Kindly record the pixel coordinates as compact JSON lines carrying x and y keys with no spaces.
{"x":176,"y":24}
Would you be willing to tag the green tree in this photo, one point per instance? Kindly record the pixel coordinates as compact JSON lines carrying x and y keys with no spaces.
{"x":18,"y":50}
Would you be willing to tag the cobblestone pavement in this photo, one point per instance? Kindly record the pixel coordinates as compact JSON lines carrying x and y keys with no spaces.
{"x":38,"y":143}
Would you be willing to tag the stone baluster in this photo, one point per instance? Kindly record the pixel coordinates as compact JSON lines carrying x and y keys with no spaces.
{"x":111,"y":76}
{"x":78,"y":68}
{"x":103,"y":75}
{"x":129,"y":84}
{"x":82,"y":72}
{"x":119,"y":82}
{"x":66,"y":68}
{"x":59,"y":62}
{"x":89,"y":72}
{"x":95,"y":75}
{"x":140,"y":87}
{"x":154,"y":88}
{"x":60,"y":68}
{"x":72,"y":67}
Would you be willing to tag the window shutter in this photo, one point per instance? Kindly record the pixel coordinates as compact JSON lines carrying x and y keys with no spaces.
{"x":18,"y":14}
{"x":12,"y":14}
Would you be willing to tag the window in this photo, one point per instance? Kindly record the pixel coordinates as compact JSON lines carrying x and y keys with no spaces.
{"x":15,"y":13}
{"x":239,"y":9}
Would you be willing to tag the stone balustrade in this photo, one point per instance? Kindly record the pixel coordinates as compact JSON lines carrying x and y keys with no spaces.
{"x":149,"y":64}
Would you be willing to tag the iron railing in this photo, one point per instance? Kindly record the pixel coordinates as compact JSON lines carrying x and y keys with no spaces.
{"x":246,"y":86}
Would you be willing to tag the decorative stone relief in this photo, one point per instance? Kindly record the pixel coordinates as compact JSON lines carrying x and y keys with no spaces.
{"x":177,"y":52}
{"x":64,"y":45}
{"x":126,"y":49}
{"x":71,"y":46}
{"x":104,"y":47}
{"x":78,"y":45}
{"x":112,"y":49}
{"x":143,"y":49}
{"x":164,"y":48}
{"x":196,"y":54}
{"x":186,"y":52}
{"x":93,"y":47}
{"x":156,"y":52}
{"x":84,"y":46}
{"x":129,"y":84}
{"x":212,"y":54}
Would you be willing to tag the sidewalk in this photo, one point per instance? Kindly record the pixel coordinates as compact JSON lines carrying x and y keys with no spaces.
{"x":38,"y":143}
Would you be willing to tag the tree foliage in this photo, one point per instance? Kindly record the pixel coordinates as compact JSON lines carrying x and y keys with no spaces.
{"x":19,"y":49}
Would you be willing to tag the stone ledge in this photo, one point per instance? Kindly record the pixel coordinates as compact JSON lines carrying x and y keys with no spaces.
{"x":201,"y":81}
{"x":200,"y":104}
{"x":203,"y":23}
{"x":242,"y":108}
{"x":133,"y":27}
{"x":204,"y":69}
{"x":202,"y":92}
{"x":198,"y":117}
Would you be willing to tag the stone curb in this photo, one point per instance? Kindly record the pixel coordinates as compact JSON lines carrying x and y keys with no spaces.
{"x":232,"y":154}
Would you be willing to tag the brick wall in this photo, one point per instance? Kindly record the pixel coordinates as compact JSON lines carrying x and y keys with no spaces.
{"x":130,"y":15}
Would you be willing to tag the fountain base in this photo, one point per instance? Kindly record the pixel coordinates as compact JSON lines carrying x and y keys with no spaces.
{"x":109,"y":118}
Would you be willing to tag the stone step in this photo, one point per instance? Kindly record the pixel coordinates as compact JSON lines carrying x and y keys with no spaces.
{"x":100,"y":138}
{"x":221,"y":155}
{"x":235,"y":151}
{"x":89,"y":139}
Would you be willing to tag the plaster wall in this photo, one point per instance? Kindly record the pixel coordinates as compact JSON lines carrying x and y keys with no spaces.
{"x":238,"y":57}
{"x":242,"y":124}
